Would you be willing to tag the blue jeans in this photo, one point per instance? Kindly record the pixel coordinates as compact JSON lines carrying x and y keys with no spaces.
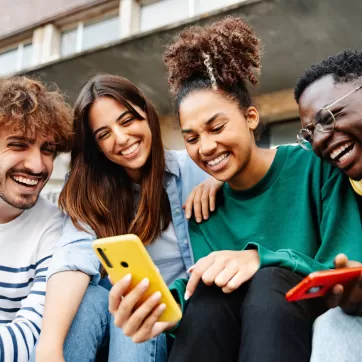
{"x":337,"y":337}
{"x":93,"y":328}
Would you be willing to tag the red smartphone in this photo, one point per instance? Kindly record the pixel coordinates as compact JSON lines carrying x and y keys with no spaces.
{"x":318,"y":283}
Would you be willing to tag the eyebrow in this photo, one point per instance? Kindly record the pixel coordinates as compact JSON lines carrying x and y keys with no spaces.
{"x":207,"y":123}
{"x":21,"y":138}
{"x":104,"y":127}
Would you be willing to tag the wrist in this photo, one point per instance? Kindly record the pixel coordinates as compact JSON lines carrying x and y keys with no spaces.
{"x":46,"y":347}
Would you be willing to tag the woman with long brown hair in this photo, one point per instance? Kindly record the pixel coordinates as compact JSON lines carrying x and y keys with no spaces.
{"x":121,"y":181}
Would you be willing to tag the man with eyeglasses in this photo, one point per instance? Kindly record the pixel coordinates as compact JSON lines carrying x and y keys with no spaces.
{"x":329,"y":95}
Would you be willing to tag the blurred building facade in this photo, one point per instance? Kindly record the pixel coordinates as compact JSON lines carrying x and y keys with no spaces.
{"x":67,"y":41}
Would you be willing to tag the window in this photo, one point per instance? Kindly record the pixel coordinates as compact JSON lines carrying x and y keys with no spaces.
{"x":27,"y":56}
{"x":8,"y":61}
{"x":100,"y":32}
{"x":16,"y":59}
{"x":203,"y":6}
{"x":68,"y":42}
{"x":90,"y":34}
{"x":162,"y":12}
{"x":156,"y":13}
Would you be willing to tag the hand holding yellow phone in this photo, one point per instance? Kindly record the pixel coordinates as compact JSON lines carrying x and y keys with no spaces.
{"x":125,"y":254}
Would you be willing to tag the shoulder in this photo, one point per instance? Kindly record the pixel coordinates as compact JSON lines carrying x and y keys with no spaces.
{"x":306,"y":167}
{"x":45,"y":212}
{"x":299,"y":158}
{"x":176,"y":155}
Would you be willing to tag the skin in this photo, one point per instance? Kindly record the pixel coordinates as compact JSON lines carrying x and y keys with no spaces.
{"x":212,"y":125}
{"x":115,"y":130}
{"x":28,"y":158}
{"x":348,"y":127}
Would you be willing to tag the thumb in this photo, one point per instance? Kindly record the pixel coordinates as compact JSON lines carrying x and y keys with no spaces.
{"x":340,"y":261}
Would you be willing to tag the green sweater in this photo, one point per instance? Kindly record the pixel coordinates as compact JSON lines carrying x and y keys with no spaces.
{"x":299,"y":216}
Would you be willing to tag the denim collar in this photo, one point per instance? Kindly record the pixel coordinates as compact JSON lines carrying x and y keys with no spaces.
{"x":172,"y":165}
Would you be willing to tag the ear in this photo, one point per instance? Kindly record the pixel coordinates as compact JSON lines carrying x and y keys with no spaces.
{"x":252,"y":118}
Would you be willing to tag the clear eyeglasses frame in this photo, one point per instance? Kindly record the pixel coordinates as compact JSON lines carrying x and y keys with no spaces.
{"x":324,"y":122}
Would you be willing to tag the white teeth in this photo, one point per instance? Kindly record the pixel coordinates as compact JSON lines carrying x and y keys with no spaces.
{"x":339,"y":150}
{"x":217,"y":160}
{"x":25,"y":181}
{"x":344,"y":156}
{"x":131,"y":149}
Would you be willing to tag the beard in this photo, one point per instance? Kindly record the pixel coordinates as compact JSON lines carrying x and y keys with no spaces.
{"x":22,"y":202}
{"x":17,"y":199}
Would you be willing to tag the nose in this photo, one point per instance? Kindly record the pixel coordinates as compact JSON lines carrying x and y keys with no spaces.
{"x":34,"y":161}
{"x":320,"y":138}
{"x":207,"y":146}
{"x":121,"y":136}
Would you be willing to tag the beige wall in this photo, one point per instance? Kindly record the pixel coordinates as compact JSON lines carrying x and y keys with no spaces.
{"x":171,"y":134}
{"x":18,"y":14}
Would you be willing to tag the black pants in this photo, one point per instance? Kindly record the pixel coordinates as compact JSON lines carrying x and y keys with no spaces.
{"x":253,"y":324}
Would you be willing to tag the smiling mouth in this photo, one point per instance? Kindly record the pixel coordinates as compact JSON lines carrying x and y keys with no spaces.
{"x":130,"y":149}
{"x":218,"y":160}
{"x":24,"y":181}
{"x":342,"y":152}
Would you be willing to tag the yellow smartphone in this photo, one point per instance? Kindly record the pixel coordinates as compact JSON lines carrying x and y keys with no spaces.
{"x":126,"y":254}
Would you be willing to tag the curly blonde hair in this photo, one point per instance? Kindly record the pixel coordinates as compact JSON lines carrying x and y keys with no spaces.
{"x":27,"y":105}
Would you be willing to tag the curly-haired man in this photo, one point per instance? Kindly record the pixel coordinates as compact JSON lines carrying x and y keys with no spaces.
{"x":35,"y":125}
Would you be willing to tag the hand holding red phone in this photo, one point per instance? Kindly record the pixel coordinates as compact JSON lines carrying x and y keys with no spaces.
{"x":349,"y":299}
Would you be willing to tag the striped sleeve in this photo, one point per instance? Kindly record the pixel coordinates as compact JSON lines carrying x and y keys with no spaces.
{"x":18,"y":338}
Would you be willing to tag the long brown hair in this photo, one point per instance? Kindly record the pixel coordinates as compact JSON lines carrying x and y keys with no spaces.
{"x":98,"y":192}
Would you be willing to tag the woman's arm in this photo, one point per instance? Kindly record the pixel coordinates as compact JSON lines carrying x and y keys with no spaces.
{"x":65,"y":292}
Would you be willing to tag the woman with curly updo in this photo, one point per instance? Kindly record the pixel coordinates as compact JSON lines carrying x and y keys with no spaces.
{"x":276,"y":219}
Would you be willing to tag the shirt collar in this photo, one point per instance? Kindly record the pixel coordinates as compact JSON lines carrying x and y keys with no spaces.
{"x":172,"y":164}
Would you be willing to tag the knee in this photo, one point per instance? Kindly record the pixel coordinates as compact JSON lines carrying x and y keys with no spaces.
{"x":265,"y":295}
{"x":94,"y":304}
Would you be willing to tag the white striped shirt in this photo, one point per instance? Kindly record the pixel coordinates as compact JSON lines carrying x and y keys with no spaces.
{"x":26,"y":247}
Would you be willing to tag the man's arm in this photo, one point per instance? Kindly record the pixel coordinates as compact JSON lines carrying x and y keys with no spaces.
{"x":18,"y":338}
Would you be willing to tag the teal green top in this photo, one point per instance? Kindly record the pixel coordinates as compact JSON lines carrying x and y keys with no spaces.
{"x":299,"y":216}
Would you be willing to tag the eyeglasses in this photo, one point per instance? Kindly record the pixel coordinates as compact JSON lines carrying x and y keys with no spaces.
{"x":324,"y":122}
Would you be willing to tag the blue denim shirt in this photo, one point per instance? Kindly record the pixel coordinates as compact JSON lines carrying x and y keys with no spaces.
{"x":74,"y":251}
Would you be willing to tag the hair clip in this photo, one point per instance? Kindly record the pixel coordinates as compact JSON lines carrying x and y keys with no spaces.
{"x":210,"y":70}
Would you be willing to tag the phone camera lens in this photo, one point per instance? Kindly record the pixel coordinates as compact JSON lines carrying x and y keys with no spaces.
{"x":124,"y":264}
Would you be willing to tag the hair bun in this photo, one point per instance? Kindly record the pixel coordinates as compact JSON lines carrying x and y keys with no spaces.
{"x":231,"y":44}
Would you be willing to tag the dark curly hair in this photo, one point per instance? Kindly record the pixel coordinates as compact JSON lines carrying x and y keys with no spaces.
{"x":234,"y":53}
{"x":28,"y":105}
{"x":344,"y":67}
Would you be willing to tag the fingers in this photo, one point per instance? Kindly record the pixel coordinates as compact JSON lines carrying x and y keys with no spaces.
{"x":202,"y":199}
{"x":147,"y":330}
{"x":214,"y":270}
{"x":340,"y":261}
{"x":117,"y":291}
{"x":226,"y":275}
{"x":160,"y":327}
{"x":212,"y":198}
{"x":198,"y":270}
{"x":333,"y":297}
{"x":189,"y":204}
{"x":197,"y":204}
{"x":234,"y":283}
{"x":122,"y":314}
{"x":352,"y":298}
{"x":140,"y":314}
